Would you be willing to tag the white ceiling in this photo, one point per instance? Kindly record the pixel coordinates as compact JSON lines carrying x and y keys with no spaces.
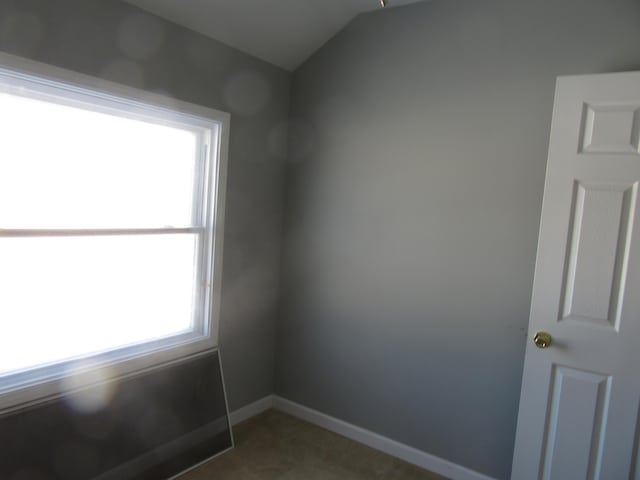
{"x":282,"y":32}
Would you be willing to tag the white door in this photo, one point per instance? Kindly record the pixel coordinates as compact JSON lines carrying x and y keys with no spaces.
{"x":580,"y":394}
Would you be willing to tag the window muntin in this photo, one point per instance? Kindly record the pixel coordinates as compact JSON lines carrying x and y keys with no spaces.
{"x":110,"y":208}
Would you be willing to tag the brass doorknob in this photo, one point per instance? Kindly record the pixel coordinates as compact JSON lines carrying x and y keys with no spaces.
{"x":542,"y":339}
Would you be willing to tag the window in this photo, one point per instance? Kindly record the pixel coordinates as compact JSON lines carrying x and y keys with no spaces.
{"x":111,"y":206}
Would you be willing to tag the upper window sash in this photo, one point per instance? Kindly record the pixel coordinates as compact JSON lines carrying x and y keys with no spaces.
{"x":204,"y":140}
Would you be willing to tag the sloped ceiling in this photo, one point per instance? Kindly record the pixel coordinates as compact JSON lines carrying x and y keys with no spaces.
{"x":282,"y":32}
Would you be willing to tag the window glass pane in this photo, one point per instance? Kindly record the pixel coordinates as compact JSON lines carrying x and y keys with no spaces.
{"x":69,"y":296}
{"x":65,"y":167}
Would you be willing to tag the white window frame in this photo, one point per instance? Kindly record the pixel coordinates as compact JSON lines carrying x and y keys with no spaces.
{"x":71,"y":88}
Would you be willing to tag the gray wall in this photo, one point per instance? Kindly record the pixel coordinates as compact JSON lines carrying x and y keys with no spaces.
{"x":415,"y":183}
{"x":114,"y":40}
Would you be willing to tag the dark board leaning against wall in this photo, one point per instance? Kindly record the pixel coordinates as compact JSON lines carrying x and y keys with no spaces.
{"x":155,"y":424}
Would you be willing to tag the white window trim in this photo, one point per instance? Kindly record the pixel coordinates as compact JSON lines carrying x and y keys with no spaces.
{"x":141,"y":357}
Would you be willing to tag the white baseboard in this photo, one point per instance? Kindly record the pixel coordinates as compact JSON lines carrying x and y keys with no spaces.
{"x":390,"y":447}
{"x":251,"y":410}
{"x":378,"y":442}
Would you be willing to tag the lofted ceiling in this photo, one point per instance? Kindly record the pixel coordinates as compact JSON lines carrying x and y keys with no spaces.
{"x":282,"y":32}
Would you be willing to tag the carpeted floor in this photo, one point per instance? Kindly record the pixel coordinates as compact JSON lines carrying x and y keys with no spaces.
{"x":276,"y":446}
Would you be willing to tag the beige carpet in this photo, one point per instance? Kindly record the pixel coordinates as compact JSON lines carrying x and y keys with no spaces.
{"x":276,"y":446}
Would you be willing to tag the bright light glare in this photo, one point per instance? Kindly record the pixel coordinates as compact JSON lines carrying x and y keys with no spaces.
{"x":66,"y":297}
{"x":66,"y":167}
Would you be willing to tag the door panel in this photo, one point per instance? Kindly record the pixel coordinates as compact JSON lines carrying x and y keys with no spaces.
{"x":579,"y":403}
{"x":598,"y":252}
{"x":573,"y":437}
{"x":610,"y":128}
